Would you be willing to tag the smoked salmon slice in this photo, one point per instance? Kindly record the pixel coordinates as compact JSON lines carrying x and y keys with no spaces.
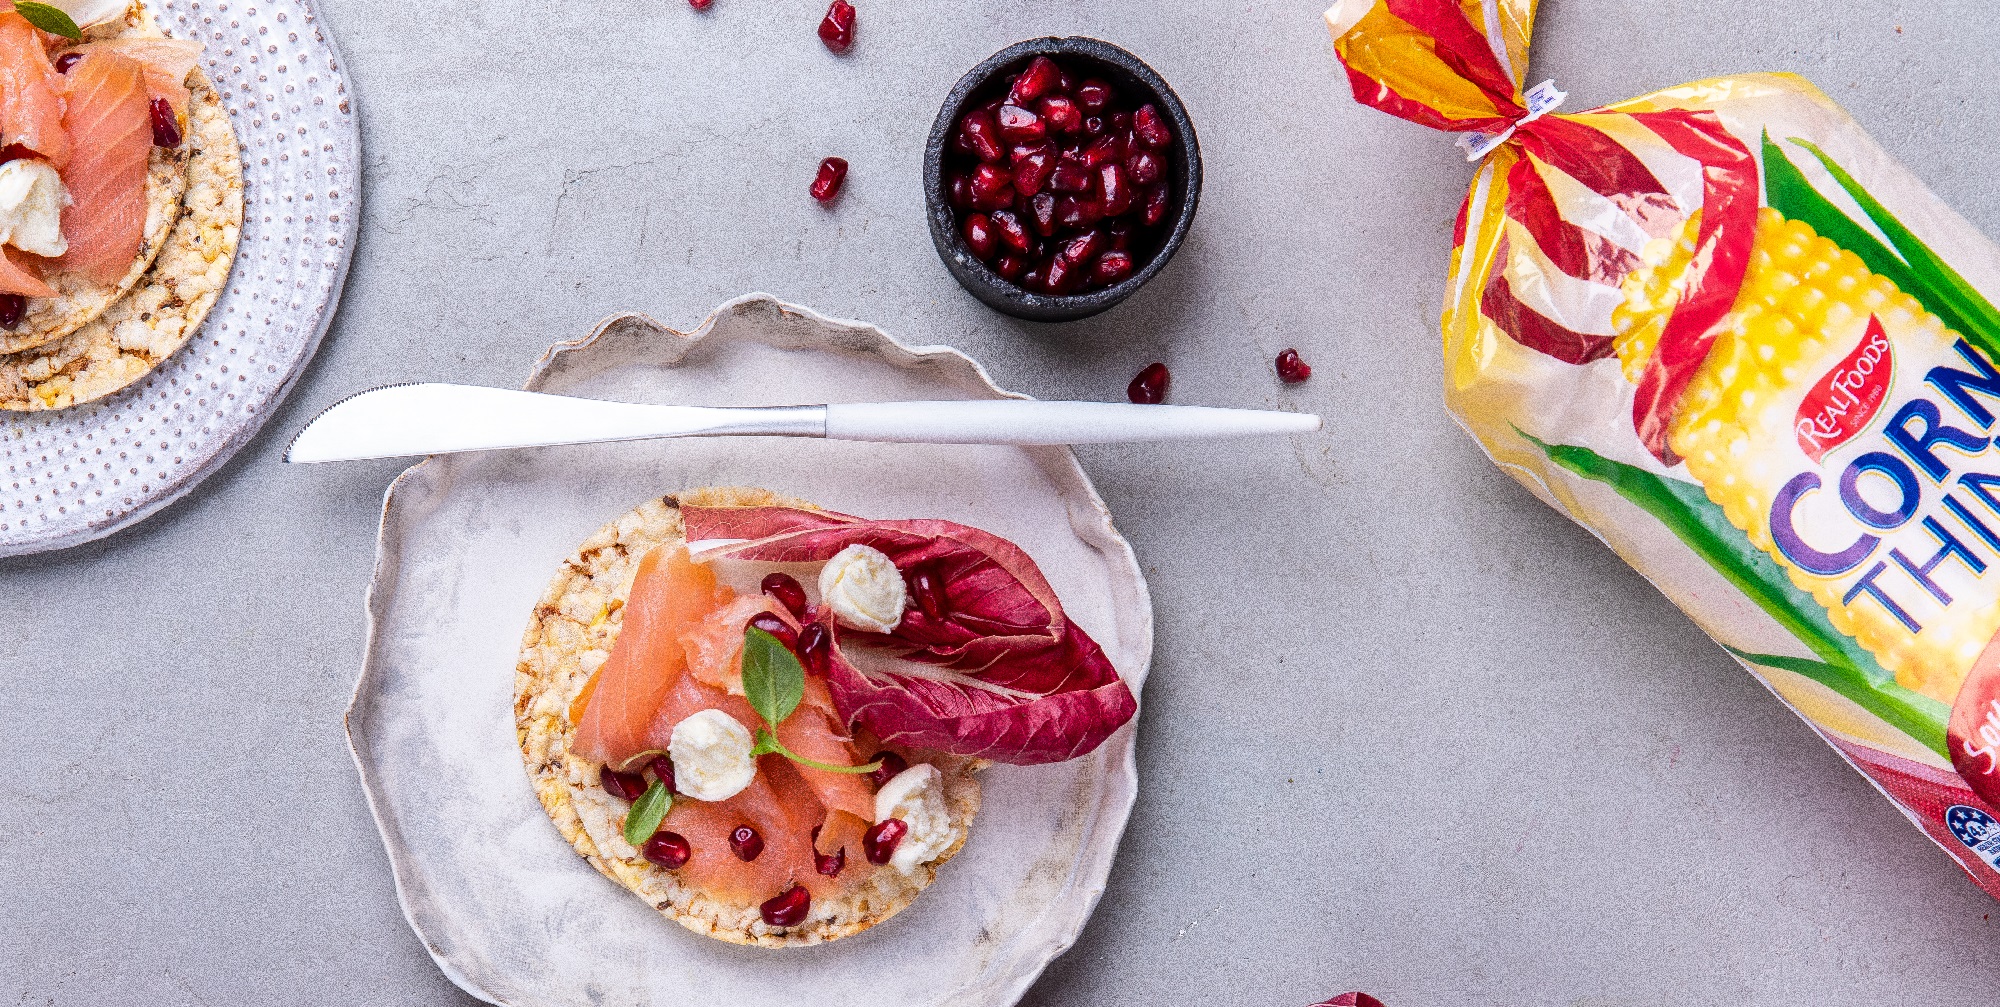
{"x":31,"y":93}
{"x":111,"y":135}
{"x":164,"y":63}
{"x":18,"y":278}
{"x":669,"y":596}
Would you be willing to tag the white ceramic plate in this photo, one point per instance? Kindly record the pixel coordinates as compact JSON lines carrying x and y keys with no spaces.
{"x":77,"y":474}
{"x":468,"y":543}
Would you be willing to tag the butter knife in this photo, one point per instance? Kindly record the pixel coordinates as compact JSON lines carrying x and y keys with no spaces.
{"x":434,"y":418}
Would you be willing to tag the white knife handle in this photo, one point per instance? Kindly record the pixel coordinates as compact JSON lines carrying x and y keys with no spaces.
{"x":1018,"y":422}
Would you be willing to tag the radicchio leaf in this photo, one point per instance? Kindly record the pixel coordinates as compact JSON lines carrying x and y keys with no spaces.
{"x":1003,"y":675}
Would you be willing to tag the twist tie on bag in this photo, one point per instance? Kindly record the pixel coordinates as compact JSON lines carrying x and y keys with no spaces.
{"x":1542,"y":99}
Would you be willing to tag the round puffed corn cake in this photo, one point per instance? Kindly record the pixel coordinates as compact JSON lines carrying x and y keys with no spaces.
{"x":570,"y":635}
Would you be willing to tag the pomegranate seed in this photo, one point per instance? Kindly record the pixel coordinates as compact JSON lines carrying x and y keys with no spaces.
{"x":1070,"y":177}
{"x":663,"y":770}
{"x":1104,"y":150}
{"x":1041,"y":77}
{"x":700,"y":4}
{"x":999,"y":200}
{"x":1120,"y":121}
{"x":624,"y":786}
{"x":1061,"y":275}
{"x":745,"y":843}
{"x":979,"y":236}
{"x":987,"y":181}
{"x":830,"y":864}
{"x":1144,"y":167}
{"x":1120,"y":237}
{"x":787,"y":908}
{"x":12,"y":307}
{"x":786,"y":590}
{"x":1010,"y":267}
{"x":667,"y":849}
{"x":166,"y":126}
{"x":1110,"y":268}
{"x":927,"y":590}
{"x":1150,"y":387}
{"x":961,"y":192}
{"x":1155,"y":205}
{"x":1093,"y":125}
{"x":892,"y":764}
{"x":1150,"y":129}
{"x":837,"y":28}
{"x":982,"y":135}
{"x":1011,"y":232}
{"x":815,"y":648}
{"x":1018,"y":125}
{"x":67,"y":60}
{"x":1032,"y":167}
{"x":1072,"y":211}
{"x":1083,"y":248}
{"x":1092,"y":95}
{"x":1032,"y":279}
{"x":775,"y":626}
{"x":1292,"y":370}
{"x":1117,"y":190}
{"x":1042,"y":214}
{"x":826,"y":185}
{"x":882,"y":838}
{"x":1351,"y":1000}
{"x":1062,"y":114}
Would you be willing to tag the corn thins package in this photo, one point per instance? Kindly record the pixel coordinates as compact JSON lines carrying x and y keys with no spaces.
{"x":1719,"y":327}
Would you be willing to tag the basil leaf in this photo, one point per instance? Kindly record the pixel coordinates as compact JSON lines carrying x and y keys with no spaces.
{"x":646,"y":813}
{"x":49,"y":19}
{"x":768,"y":744}
{"x":773,"y":679}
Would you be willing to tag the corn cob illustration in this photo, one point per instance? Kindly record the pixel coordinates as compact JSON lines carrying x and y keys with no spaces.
{"x":1889,"y":528}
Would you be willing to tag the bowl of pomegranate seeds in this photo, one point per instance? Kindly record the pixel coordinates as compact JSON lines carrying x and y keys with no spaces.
{"x":1061,"y":175}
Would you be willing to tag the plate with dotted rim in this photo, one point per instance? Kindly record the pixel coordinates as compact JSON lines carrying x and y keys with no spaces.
{"x":73,"y":475}
{"x":468,"y":544}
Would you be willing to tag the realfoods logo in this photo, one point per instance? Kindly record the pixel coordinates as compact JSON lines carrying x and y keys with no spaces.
{"x":1914,"y":433}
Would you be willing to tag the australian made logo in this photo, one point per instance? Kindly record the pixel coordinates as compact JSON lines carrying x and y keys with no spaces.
{"x":1977,"y":830}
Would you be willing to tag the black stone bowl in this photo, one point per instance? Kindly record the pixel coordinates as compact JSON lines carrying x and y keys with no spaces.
{"x":1133,"y":78}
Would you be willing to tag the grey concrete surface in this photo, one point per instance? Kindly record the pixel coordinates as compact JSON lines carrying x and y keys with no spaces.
{"x":1408,"y":731}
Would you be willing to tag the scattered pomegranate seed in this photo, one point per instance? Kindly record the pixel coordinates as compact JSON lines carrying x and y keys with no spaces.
{"x":775,"y":626}
{"x":785,"y":590}
{"x":67,"y":60}
{"x":166,"y":126}
{"x":1292,"y":370}
{"x":1351,"y":1000}
{"x":882,"y":838}
{"x":1111,"y":268}
{"x":815,"y":648}
{"x":667,"y":849}
{"x":837,"y":28}
{"x":787,"y":908}
{"x":1150,"y":387}
{"x":1041,"y":77}
{"x":927,"y":590}
{"x":700,"y":4}
{"x":892,"y":764}
{"x":826,"y":185}
{"x":1150,"y":129}
{"x":624,"y":786}
{"x":1011,"y":231}
{"x":1092,"y":95}
{"x":663,"y":770}
{"x":12,"y":307}
{"x":828,"y":864}
{"x":745,"y":843}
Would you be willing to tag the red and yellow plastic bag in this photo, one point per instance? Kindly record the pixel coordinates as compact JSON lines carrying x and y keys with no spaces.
{"x":1722,"y":329}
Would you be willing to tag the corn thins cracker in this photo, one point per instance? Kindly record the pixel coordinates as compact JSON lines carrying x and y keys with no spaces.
{"x":1718,"y":326}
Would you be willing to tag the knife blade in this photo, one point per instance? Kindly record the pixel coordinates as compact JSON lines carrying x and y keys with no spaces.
{"x":438,"y":418}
